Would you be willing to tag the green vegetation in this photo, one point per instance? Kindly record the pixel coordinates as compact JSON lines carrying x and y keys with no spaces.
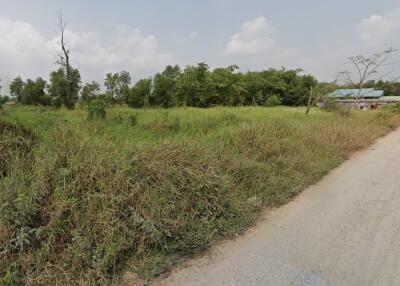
{"x":97,"y":110}
{"x":81,"y":201}
{"x":195,"y":86}
{"x":3,"y":99}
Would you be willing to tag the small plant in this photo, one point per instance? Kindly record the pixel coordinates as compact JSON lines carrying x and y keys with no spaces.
{"x":330,"y":104}
{"x":273,"y":100}
{"x":132,"y":119}
{"x":97,"y":110}
{"x":119,"y":119}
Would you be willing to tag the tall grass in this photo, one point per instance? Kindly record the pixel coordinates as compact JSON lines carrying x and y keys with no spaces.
{"x":81,"y":201}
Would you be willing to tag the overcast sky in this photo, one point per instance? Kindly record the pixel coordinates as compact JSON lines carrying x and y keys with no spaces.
{"x":144,"y":36}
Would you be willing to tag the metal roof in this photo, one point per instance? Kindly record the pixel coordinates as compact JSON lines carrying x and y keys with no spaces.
{"x":365,"y":92}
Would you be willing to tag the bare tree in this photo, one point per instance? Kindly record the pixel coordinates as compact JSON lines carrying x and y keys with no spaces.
{"x":65,"y":82}
{"x":64,"y":57}
{"x":367,"y":69}
{"x":314,"y":97}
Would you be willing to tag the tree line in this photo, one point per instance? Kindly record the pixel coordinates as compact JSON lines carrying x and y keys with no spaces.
{"x":195,"y":86}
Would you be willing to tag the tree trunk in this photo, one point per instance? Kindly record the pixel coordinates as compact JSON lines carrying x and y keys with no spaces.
{"x":309,"y":101}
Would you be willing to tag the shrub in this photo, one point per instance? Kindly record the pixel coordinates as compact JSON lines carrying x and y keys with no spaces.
{"x":97,"y":110}
{"x":132,"y":119}
{"x":78,"y":219}
{"x":174,"y":125}
{"x":392,"y":107}
{"x":273,"y":100}
{"x":15,"y":140}
{"x":330,"y":104}
{"x":166,"y":124}
{"x":3,"y":99}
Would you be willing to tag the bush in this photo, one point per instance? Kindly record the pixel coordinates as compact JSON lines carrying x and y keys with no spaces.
{"x":273,"y":100}
{"x":330,"y":104}
{"x":3,"y":99}
{"x":97,"y":110}
{"x":392,"y":108}
{"x":88,"y":215}
{"x":132,"y":119}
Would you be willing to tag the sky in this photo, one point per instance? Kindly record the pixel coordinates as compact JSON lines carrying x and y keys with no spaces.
{"x":143,"y":37}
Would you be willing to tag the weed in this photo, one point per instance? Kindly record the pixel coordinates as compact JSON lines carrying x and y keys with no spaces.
{"x":96,"y":110}
{"x":80,"y":205}
{"x":132,"y":119}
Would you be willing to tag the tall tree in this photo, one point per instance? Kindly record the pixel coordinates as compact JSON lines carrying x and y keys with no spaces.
{"x":65,"y":75}
{"x":116,"y":85}
{"x":226,"y":87}
{"x":163,"y":94}
{"x":139,"y":95}
{"x":193,"y":86}
{"x":34,"y":93}
{"x":172,"y":72}
{"x":3,"y":99}
{"x":64,"y":91}
{"x":16,"y":88}
{"x":164,"y":90}
{"x":90,"y":91}
{"x":367,"y":68}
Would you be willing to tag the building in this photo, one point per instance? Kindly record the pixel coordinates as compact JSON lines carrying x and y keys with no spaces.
{"x":366,"y":98}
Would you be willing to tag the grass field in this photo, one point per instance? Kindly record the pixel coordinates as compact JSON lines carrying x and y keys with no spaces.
{"x":82,"y":201}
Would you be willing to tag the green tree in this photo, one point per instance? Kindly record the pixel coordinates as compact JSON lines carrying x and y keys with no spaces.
{"x":164,"y":91}
{"x":90,"y":91}
{"x":164,"y":87}
{"x":193,"y":86}
{"x":172,"y":72}
{"x":62,"y":90}
{"x":226,"y":87}
{"x":3,"y":99}
{"x":289,"y":85}
{"x":34,"y":93}
{"x":253,"y":84}
{"x":116,"y":85}
{"x":273,"y":100}
{"x":139,"y":95}
{"x":16,"y":88}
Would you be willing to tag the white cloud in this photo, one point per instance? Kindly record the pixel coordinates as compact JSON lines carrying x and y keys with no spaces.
{"x":367,"y":36}
{"x":25,"y":51}
{"x":255,"y":47}
{"x":254,"y":38}
{"x":381,"y":29}
{"x":129,"y":49}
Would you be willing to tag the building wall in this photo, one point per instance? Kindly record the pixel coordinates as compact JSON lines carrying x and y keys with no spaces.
{"x":363,"y":104}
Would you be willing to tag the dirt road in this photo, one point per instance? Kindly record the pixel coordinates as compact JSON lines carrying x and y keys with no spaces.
{"x":343,"y":231}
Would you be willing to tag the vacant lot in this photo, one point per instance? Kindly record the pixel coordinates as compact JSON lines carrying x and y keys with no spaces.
{"x":80,"y":201}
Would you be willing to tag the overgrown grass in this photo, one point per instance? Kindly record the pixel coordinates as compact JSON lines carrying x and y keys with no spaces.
{"x":81,"y":201}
